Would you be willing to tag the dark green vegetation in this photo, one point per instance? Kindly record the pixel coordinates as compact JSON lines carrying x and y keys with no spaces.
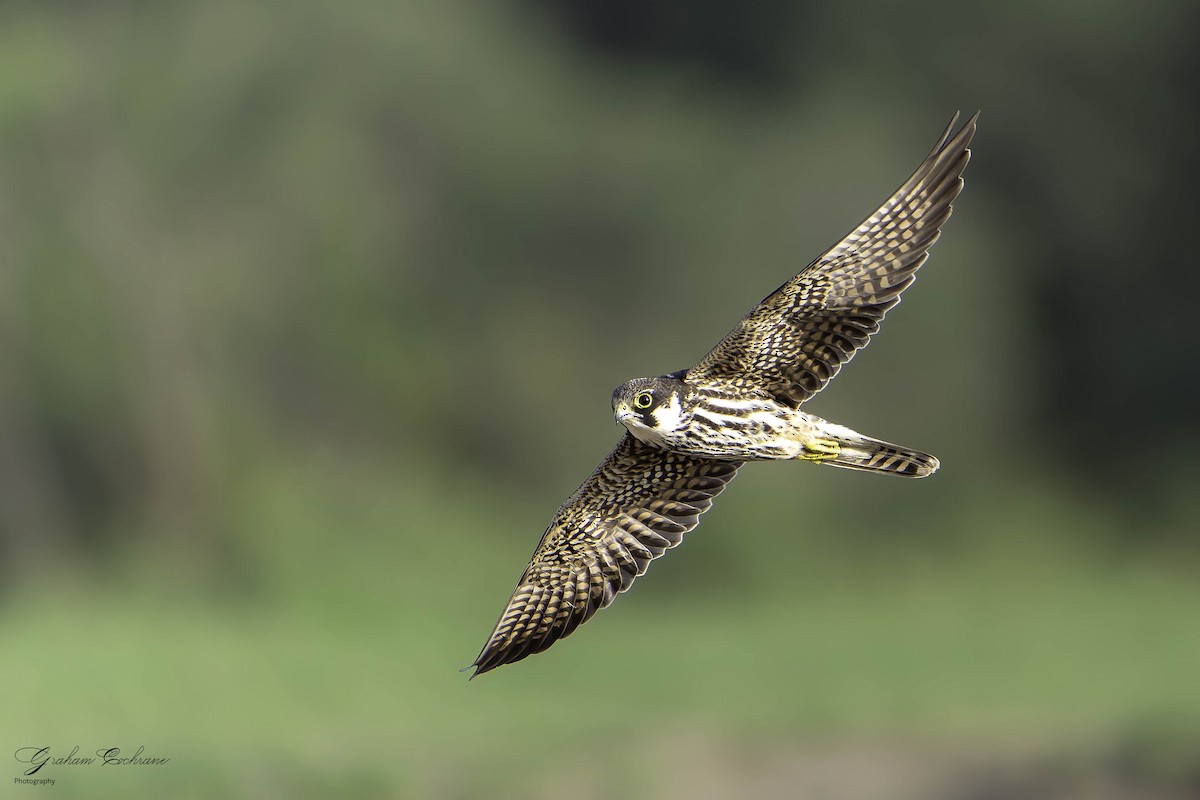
{"x":309,"y":316}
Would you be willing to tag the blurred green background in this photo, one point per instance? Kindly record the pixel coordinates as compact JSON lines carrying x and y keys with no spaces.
{"x":310,"y":312}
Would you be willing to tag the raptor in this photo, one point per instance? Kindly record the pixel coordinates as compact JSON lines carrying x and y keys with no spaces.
{"x":688,"y":432}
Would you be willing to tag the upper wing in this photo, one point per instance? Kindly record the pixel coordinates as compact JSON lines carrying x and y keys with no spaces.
{"x":792,"y":343}
{"x":638,"y":503}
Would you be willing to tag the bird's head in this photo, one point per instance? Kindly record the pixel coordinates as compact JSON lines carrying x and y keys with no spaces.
{"x":651,"y":407}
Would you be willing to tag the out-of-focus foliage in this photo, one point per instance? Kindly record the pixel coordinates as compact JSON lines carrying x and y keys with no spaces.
{"x":310,"y":312}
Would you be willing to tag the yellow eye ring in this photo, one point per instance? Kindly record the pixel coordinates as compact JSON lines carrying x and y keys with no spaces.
{"x":643,"y":401}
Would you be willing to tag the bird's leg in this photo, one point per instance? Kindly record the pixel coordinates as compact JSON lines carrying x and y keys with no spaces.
{"x":817,"y":450}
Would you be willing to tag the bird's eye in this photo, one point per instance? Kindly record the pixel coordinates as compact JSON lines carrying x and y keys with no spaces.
{"x":643,"y":401}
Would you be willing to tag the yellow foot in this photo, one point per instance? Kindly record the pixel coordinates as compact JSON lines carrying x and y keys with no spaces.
{"x":818,"y":450}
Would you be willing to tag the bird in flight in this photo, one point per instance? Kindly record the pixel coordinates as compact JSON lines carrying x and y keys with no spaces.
{"x":688,"y":432}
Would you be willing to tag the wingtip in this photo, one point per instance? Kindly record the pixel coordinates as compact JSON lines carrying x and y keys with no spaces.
{"x":965,"y":133}
{"x":945,"y":137}
{"x":479,"y":670}
{"x":972,"y":122}
{"x":957,"y":114}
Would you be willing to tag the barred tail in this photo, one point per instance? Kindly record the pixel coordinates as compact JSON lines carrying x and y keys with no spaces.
{"x":871,"y":455}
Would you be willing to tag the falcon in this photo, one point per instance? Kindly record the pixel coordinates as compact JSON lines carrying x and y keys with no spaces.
{"x":688,"y":432}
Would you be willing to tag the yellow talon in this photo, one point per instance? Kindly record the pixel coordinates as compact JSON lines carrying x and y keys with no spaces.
{"x":818,"y":450}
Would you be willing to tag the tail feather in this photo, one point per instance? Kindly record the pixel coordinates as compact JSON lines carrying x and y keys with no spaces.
{"x":871,"y":455}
